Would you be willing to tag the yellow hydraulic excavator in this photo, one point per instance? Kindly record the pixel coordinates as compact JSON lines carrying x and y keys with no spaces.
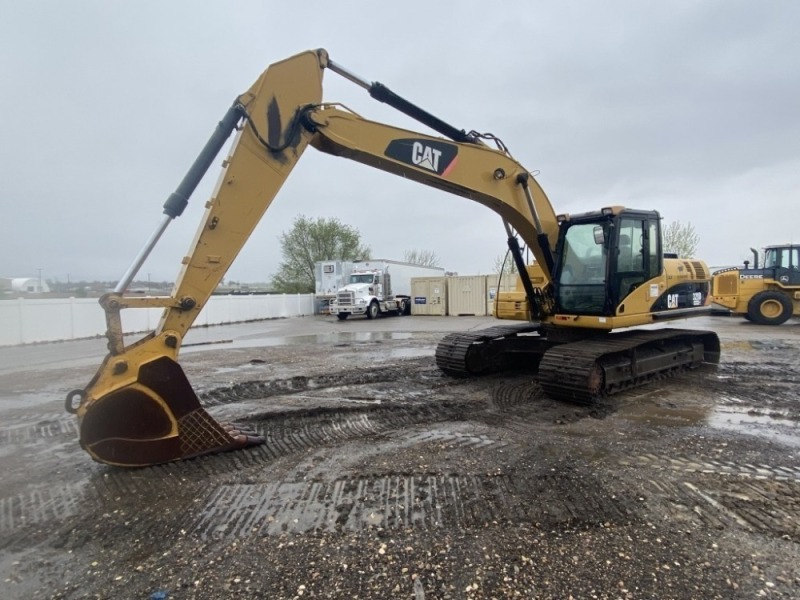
{"x":595,"y":272}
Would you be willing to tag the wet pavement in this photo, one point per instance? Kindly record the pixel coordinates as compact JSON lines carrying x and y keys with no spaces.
{"x":382,"y":478}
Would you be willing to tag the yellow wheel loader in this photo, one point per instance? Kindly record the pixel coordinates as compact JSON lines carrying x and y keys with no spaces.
{"x":767,"y":295}
{"x":596,"y":272}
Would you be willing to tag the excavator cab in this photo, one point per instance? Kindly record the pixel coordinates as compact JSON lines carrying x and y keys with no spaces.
{"x":604,"y":256}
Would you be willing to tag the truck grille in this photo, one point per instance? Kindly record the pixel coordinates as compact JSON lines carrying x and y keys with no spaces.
{"x":344,"y":298}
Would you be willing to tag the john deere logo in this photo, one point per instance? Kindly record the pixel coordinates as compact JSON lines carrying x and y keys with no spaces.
{"x":436,"y":157}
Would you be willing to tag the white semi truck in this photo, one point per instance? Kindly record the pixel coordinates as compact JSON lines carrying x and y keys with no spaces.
{"x":379,"y":287}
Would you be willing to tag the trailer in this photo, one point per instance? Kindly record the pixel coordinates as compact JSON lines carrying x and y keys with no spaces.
{"x":329,"y":277}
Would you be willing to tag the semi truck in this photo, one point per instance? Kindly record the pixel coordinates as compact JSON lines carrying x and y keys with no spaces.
{"x":379,"y":287}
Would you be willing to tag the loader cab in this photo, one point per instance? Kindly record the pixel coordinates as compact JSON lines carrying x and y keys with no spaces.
{"x":783,"y":262}
{"x":601,"y":257}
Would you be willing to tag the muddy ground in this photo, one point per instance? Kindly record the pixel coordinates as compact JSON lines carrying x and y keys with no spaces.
{"x":383,"y":478}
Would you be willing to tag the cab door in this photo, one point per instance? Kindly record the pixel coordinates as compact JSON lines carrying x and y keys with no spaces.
{"x":635,"y":255}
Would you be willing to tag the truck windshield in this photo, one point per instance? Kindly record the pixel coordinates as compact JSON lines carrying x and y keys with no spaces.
{"x":364,"y":278}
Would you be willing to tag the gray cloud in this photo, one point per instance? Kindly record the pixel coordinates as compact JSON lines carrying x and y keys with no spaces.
{"x":686,"y":107}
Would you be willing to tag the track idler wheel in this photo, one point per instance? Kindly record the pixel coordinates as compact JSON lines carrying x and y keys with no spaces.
{"x":157,"y":419}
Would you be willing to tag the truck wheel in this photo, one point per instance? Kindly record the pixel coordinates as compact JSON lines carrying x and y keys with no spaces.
{"x":372,"y":310}
{"x":401,"y":308}
{"x":769,"y":308}
{"x":342,"y":316}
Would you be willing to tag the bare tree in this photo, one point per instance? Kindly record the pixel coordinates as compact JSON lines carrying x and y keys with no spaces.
{"x":680,"y":239}
{"x":505,"y":265}
{"x":426,"y":258}
{"x":312,"y":240}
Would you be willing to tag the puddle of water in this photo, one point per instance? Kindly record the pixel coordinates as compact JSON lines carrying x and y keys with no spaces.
{"x":411,"y":352}
{"x":664,"y":416}
{"x":770,"y":345}
{"x":784,"y":431}
{"x":238,"y":369}
{"x":731,"y":419}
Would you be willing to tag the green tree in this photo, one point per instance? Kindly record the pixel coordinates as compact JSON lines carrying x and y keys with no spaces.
{"x":680,"y":239}
{"x":309,"y":241}
{"x":426,"y":258}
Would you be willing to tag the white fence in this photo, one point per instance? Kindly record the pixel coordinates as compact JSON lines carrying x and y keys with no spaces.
{"x":26,"y":320}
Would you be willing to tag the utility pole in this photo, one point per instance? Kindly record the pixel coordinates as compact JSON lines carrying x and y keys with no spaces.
{"x":40,"y":280}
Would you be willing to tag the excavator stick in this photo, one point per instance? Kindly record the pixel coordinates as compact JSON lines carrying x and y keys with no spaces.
{"x":156,"y":419}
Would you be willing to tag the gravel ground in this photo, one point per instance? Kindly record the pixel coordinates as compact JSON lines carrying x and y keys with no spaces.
{"x":382,"y":478}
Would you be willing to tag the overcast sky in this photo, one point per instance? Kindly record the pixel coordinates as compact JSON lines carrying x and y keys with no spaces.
{"x":688,"y":107}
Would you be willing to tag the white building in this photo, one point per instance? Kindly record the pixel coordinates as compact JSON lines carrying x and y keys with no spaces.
{"x":29,"y":285}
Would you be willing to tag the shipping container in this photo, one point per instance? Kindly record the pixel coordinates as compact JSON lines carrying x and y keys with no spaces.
{"x":429,"y":296}
{"x":466,"y":295}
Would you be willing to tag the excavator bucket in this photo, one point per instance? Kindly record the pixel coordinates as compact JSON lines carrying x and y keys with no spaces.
{"x":157,"y":419}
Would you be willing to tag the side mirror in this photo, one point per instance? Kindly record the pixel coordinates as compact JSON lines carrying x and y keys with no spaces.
{"x":599,"y":236}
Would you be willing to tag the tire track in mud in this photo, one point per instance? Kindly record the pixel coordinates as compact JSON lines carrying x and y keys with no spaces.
{"x":32,"y":429}
{"x":767,"y":507}
{"x":769,"y":386}
{"x":297,"y":434}
{"x":40,"y":505}
{"x":418,"y":385}
{"x":712,"y":467}
{"x":519,"y":394}
{"x":411,"y":371}
{"x":721,"y":494}
{"x":453,"y":439}
{"x":423,"y":501}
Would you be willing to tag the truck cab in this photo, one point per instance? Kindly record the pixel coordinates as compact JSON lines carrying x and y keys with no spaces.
{"x":366,"y":293}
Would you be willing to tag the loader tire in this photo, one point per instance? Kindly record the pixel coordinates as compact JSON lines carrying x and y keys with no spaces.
{"x":769,"y":308}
